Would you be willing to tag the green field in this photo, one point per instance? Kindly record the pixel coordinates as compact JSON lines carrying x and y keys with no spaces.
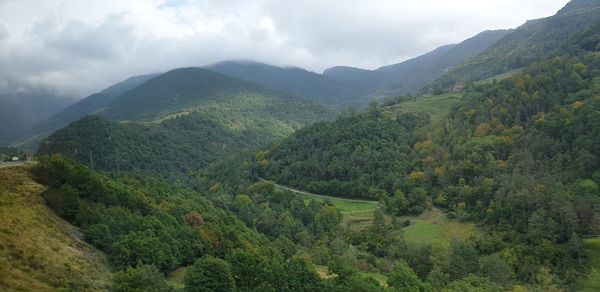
{"x":433,"y":225}
{"x":359,"y":208}
{"x":357,"y":213}
{"x":436,"y":106}
{"x":592,"y":246}
{"x":430,"y":226}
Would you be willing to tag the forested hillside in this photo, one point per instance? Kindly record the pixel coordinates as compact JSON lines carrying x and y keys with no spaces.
{"x":358,"y":155}
{"x":174,"y":147}
{"x":192,"y":117}
{"x":197,"y":181}
{"x":520,"y":156}
{"x":221,"y":242}
{"x":187,"y":89}
{"x":574,"y":28}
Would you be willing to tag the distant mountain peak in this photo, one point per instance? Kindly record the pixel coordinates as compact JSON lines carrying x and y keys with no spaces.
{"x":579,"y":4}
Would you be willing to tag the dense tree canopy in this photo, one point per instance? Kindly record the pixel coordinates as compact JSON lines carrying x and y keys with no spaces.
{"x":358,"y":155}
{"x":519,"y":156}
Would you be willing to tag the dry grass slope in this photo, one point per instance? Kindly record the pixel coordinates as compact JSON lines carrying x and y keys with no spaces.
{"x":38,"y":250}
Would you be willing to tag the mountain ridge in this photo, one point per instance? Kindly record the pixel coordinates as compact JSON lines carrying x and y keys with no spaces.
{"x":533,"y":41}
{"x":414,"y":74}
{"x":292,"y":80}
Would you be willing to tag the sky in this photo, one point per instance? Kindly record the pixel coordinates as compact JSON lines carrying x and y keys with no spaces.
{"x":77,"y":47}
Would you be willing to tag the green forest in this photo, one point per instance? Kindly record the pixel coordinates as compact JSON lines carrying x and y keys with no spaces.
{"x":518,"y":156}
{"x":485,"y":178}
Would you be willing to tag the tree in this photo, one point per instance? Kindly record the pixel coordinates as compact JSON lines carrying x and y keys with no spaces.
{"x":327,"y":219}
{"x":378,"y":220}
{"x":300,"y":277}
{"x":595,"y":222}
{"x":576,"y":246}
{"x":64,"y":201}
{"x":545,"y":280}
{"x":250,"y":270}
{"x":193,"y":219}
{"x":262,"y":187}
{"x":542,"y":226}
{"x":402,"y":277}
{"x":342,"y":268}
{"x":496,"y":269}
{"x":142,"y":248}
{"x":140,"y":279}
{"x":209,"y":274}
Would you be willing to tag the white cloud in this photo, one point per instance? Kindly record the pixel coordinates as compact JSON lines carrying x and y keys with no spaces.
{"x":80,"y":46}
{"x":3,"y":32}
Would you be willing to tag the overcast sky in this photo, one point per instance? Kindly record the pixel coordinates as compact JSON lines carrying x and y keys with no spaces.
{"x":81,"y":46}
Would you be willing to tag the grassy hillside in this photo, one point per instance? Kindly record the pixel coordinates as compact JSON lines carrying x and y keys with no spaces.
{"x":38,"y":250}
{"x":573,"y":29}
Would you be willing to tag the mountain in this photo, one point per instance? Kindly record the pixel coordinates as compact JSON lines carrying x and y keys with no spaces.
{"x":31,"y":138}
{"x":493,"y":188}
{"x":180,"y":121}
{"x":412,"y":75}
{"x":185,"y":89}
{"x":574,"y":28}
{"x":293,"y":80}
{"x":520,"y":157}
{"x":347,"y":73}
{"x":22,"y":110}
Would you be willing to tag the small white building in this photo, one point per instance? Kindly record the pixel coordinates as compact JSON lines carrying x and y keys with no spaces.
{"x":15,"y":158}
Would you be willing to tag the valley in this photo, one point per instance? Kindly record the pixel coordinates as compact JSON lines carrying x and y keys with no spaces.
{"x":472,"y":167}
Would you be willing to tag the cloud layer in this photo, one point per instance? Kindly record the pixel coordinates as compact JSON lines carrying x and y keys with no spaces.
{"x":77,"y":47}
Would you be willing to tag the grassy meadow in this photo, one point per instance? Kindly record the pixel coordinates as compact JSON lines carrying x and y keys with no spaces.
{"x":433,"y":225}
{"x":436,"y":106}
{"x":592,"y":246}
